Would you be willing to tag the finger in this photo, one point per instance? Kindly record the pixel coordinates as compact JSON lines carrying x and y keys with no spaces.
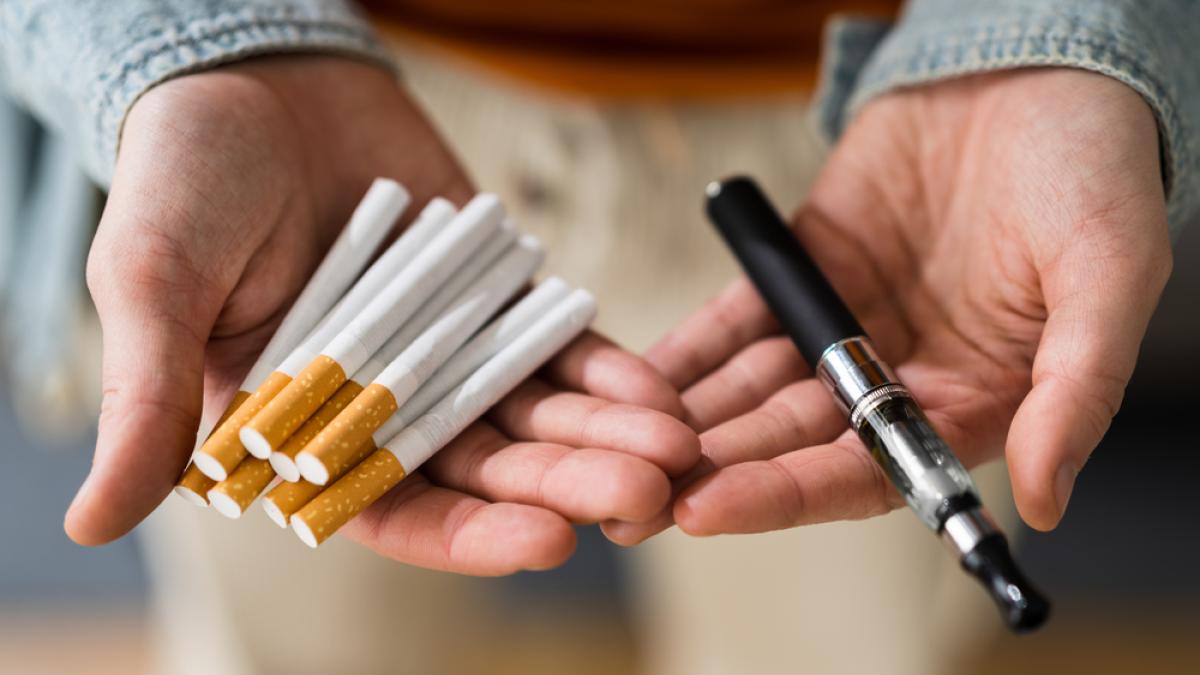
{"x":595,"y":365}
{"x":631,"y":533}
{"x":155,"y":319}
{"x":586,"y":485}
{"x":838,"y":481}
{"x":1097,"y":318}
{"x":714,"y":333}
{"x":799,"y":415}
{"x":743,"y":382}
{"x":537,"y":412}
{"x":420,"y":524}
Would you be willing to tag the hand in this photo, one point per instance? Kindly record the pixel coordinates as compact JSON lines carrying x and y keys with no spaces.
{"x":1003,"y":239}
{"x":229,"y":187}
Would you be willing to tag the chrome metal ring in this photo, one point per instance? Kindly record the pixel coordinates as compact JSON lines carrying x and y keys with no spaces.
{"x":872,"y":399}
{"x":964,"y":530}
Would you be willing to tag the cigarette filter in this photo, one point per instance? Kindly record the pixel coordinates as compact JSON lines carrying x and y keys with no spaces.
{"x":404,"y":375}
{"x":193,"y":485}
{"x":232,"y":496}
{"x":386,"y":467}
{"x":223,"y":451}
{"x":283,"y":459}
{"x":349,"y":496}
{"x":287,"y":498}
{"x":379,"y":320}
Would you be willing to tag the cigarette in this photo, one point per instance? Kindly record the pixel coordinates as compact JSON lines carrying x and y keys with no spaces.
{"x":371,"y":221}
{"x":378,"y":321}
{"x":194,"y":485}
{"x":283,"y":459}
{"x":412,"y":367}
{"x":232,"y":496}
{"x":346,"y":498}
{"x":223,"y":451}
{"x":500,"y":332}
{"x":403,"y":454}
{"x":287,"y":498}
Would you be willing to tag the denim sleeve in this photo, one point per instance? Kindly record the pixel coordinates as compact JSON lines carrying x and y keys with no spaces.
{"x":1152,"y":46}
{"x":79,"y":65}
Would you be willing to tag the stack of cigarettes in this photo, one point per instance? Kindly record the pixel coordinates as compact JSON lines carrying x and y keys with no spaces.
{"x":372,"y":372}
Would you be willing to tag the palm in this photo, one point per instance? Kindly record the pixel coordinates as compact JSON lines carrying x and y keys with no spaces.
{"x":955,"y":220}
{"x":229,"y":187}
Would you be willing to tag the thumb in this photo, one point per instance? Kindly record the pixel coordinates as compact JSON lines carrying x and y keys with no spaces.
{"x":156,"y":319}
{"x":1099,"y":304}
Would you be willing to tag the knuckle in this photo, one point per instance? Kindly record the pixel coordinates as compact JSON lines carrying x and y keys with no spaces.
{"x":147,"y":267}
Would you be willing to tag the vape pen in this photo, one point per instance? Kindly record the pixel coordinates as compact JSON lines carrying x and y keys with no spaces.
{"x":881,"y":409}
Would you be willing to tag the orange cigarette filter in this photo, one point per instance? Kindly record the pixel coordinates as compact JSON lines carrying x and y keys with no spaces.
{"x":193,"y":485}
{"x":337,"y":445}
{"x":290,"y":408}
{"x":348,"y":497}
{"x":286,"y":499}
{"x":283,"y":458}
{"x":232,"y":496}
{"x":223,"y":450}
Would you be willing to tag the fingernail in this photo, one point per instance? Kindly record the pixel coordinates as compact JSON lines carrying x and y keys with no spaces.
{"x":1064,"y":482}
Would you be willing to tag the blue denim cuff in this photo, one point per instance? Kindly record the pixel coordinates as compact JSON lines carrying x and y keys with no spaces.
{"x":81,"y":65}
{"x":1147,"y":45}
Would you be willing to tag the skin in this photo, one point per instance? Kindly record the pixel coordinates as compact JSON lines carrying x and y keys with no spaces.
{"x":229,"y":186}
{"x":1004,"y":240}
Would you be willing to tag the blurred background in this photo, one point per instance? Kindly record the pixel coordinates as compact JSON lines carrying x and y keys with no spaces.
{"x":1121,"y":568}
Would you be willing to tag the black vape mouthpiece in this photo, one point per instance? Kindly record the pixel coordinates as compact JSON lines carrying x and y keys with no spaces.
{"x":801,"y":298}
{"x":1023,"y":606}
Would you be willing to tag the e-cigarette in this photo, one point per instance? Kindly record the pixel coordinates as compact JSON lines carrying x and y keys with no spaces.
{"x":880,"y":408}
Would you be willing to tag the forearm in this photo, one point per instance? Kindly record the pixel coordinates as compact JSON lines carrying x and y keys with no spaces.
{"x":1149,"y":46}
{"x":80,"y":65}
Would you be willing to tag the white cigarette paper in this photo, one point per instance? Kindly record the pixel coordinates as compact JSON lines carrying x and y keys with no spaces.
{"x":401,"y":298}
{"x":432,"y":219}
{"x":481,"y":300}
{"x":355,"y":424}
{"x":496,"y":378}
{"x":500,"y":332}
{"x":371,"y":221}
{"x":433,"y":308}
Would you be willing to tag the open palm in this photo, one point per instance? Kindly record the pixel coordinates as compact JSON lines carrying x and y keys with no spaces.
{"x":229,"y":186}
{"x":1003,"y":240}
